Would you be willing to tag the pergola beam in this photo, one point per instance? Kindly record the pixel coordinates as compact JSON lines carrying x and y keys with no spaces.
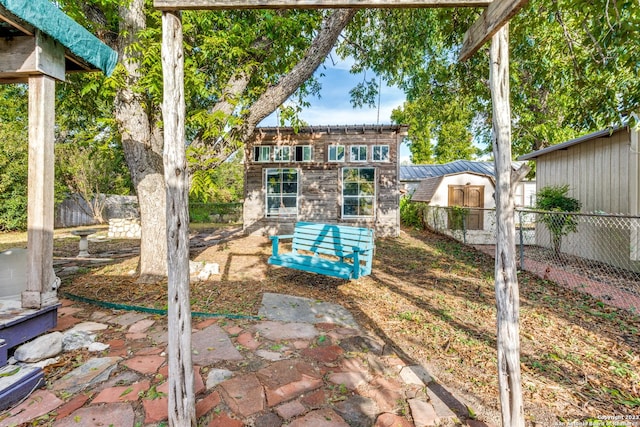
{"x":492,"y":19}
{"x":15,"y":22}
{"x":173,"y":5}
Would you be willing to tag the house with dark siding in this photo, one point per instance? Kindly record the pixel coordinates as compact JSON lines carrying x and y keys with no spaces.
{"x":328,"y":174}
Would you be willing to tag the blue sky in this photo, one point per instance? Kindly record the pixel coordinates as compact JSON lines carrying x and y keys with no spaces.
{"x":334,"y":106}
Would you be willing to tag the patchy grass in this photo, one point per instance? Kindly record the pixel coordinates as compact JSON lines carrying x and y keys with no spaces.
{"x":432,"y":299}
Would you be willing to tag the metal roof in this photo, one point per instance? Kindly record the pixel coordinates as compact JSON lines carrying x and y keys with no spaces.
{"x":605,"y":133}
{"x":344,"y":129}
{"x":22,"y":18}
{"x":420,"y":172}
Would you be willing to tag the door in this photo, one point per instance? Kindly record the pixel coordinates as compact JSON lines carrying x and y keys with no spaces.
{"x":471,"y":197}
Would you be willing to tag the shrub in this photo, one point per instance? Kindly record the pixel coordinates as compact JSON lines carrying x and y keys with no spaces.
{"x":411,"y":213}
{"x":558,"y":221}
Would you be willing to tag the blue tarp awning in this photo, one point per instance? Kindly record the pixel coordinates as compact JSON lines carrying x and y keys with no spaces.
{"x":45,"y":16}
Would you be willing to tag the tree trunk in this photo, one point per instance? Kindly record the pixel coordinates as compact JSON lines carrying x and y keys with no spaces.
{"x":142,"y":143}
{"x":506,"y":279}
{"x":182,"y":402}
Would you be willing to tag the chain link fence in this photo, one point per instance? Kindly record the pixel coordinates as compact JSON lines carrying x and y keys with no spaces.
{"x":597,"y":253}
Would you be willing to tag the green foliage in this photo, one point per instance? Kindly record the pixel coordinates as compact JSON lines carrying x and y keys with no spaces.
{"x":572,"y":70}
{"x":230,"y":57}
{"x":457,"y":217}
{"x":219,"y":46}
{"x":89,"y":156}
{"x":14,"y":151}
{"x":454,"y":140}
{"x":411,"y":213}
{"x":224,"y":184}
{"x":419,"y":133}
{"x":559,"y":221}
{"x":554,"y":198}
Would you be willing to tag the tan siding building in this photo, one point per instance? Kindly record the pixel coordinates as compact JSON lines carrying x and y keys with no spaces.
{"x":335,"y":174}
{"x":602,"y":170}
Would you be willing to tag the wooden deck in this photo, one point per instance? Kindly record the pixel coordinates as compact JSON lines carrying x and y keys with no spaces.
{"x":17,"y":326}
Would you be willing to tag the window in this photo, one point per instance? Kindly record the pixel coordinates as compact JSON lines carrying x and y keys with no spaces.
{"x":282,"y":154}
{"x":336,"y":153}
{"x":358,"y":153}
{"x":303,"y":153}
{"x":380,"y":153}
{"x":282,"y":192}
{"x":262,"y":154}
{"x":358,"y":192}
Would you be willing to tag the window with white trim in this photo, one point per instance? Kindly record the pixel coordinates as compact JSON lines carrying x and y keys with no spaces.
{"x":380,"y":153}
{"x":282,"y":154}
{"x":281,"y":189}
{"x":303,"y":153}
{"x":358,"y":192}
{"x":262,"y":153}
{"x":336,"y":153}
{"x":358,"y":153}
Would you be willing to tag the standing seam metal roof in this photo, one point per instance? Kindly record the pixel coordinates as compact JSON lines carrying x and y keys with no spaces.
{"x":420,"y":172}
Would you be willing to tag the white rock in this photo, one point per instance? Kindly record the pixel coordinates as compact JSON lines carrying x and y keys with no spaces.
{"x":195,"y":267}
{"x":73,"y":339}
{"x":270,"y":355}
{"x":43,"y":347}
{"x":423,"y":413}
{"x":89,"y":327}
{"x":208,"y":269}
{"x":95,"y":347}
{"x":46,"y":362}
{"x":216,"y":376}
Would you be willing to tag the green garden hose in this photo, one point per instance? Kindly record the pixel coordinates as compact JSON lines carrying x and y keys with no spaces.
{"x":116,"y":306}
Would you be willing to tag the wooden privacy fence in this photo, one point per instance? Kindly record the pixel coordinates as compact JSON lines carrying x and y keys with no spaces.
{"x":74,"y":211}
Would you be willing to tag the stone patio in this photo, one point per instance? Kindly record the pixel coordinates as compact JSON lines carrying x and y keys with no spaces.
{"x":283,"y":369}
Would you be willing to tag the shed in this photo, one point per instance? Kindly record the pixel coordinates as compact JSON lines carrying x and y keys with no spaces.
{"x":602,"y":170}
{"x":329,"y":174}
{"x":470,"y":190}
{"x":412,"y":175}
{"x":462,"y":183}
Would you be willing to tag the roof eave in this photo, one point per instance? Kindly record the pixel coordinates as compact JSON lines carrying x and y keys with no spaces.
{"x":605,"y":133}
{"x":401,"y":129}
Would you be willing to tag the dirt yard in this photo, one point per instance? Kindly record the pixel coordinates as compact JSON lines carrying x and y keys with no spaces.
{"x":432,"y":299}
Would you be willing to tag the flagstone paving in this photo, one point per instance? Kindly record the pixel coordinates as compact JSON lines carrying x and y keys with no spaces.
{"x":296,"y":370}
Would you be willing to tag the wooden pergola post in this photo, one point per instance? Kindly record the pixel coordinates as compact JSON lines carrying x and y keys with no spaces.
{"x":38,"y":41}
{"x":491,"y":24}
{"x":41,"y":278}
{"x":182,"y":402}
